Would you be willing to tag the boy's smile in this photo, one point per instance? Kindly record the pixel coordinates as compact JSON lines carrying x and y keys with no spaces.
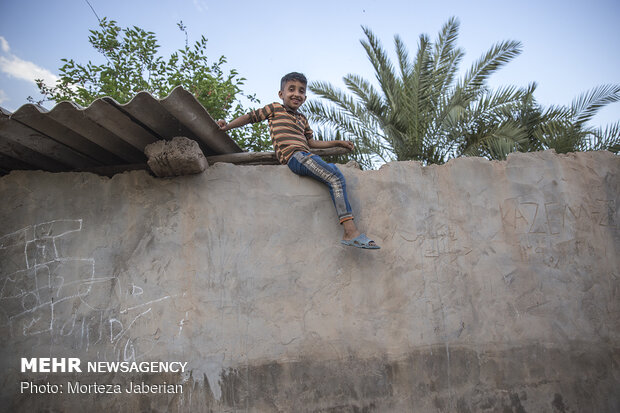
{"x":293,"y":94}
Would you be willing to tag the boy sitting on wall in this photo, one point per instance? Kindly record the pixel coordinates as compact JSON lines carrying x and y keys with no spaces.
{"x":292,"y":140}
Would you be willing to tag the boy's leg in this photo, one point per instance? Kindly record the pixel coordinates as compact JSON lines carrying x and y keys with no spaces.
{"x":306,"y":164}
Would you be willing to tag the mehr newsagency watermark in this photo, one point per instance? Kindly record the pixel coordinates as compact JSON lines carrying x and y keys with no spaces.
{"x":75,"y":365}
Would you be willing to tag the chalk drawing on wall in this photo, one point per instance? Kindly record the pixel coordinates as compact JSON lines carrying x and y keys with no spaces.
{"x":45,"y":289}
{"x":37,"y":276}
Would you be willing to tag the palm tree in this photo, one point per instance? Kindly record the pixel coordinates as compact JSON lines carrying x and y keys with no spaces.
{"x":566,"y":129}
{"x":421,"y":111}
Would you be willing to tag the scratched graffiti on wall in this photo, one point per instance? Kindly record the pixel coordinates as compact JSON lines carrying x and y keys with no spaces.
{"x":556,"y":232}
{"x":553,"y":218}
{"x":47,"y":292}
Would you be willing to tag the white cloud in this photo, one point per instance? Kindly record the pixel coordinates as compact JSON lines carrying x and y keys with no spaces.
{"x":23,"y":69}
{"x":4,"y":45}
{"x":3,"y":96}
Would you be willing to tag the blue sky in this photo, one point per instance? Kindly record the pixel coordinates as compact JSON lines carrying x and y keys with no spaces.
{"x":568,"y":47}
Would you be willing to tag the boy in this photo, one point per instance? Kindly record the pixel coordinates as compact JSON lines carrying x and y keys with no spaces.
{"x":292,"y":141}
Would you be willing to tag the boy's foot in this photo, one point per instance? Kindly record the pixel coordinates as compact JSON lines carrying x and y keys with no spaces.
{"x":361,"y":241}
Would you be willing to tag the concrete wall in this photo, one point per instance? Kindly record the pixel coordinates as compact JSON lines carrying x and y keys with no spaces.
{"x":497,"y":287}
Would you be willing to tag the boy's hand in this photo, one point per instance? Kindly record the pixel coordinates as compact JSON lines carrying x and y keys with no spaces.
{"x":347,"y":144}
{"x":221,"y":123}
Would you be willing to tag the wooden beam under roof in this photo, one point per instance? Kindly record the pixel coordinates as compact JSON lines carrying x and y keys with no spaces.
{"x":267,"y":158}
{"x":244,"y":158}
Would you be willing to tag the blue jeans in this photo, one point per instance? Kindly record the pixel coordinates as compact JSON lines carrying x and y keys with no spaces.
{"x":306,"y":164}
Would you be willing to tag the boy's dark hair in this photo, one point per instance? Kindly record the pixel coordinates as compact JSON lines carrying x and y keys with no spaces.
{"x":293,"y":76}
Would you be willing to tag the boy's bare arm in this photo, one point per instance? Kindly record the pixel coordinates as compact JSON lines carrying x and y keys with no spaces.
{"x":235,"y":123}
{"x":313,"y":143}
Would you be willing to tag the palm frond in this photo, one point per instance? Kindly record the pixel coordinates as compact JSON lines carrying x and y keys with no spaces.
{"x":600,"y":139}
{"x":587,"y":105}
{"x":384,"y":69}
{"x":406,"y":68}
{"x":416,"y":94}
{"x":446,"y":57}
{"x":496,"y":57}
{"x":366,"y":92}
{"x":337,"y":97}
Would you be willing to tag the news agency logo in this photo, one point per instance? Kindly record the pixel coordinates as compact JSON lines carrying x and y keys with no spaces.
{"x":51,"y":365}
{"x":73,"y":365}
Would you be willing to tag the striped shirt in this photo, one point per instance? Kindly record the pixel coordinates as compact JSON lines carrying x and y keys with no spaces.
{"x":289,"y":129}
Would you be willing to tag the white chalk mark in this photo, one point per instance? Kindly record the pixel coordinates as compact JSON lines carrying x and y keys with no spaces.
{"x":135,"y":290}
{"x":184,"y":321}
{"x":41,"y":274}
{"x":147,"y":303}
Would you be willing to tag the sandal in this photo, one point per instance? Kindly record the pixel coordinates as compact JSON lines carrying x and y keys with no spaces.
{"x":361,"y":241}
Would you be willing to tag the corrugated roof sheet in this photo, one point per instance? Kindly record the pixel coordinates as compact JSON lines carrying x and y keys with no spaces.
{"x":106,"y":137}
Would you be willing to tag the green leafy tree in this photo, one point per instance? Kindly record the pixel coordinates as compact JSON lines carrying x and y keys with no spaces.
{"x":132,"y":65}
{"x":421,"y":110}
{"x":566,"y":128}
{"x":562,"y":128}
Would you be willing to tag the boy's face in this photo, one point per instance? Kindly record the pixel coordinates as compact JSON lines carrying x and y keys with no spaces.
{"x":293,"y":94}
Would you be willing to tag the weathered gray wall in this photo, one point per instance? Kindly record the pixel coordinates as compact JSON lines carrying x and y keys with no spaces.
{"x":497,"y":287}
